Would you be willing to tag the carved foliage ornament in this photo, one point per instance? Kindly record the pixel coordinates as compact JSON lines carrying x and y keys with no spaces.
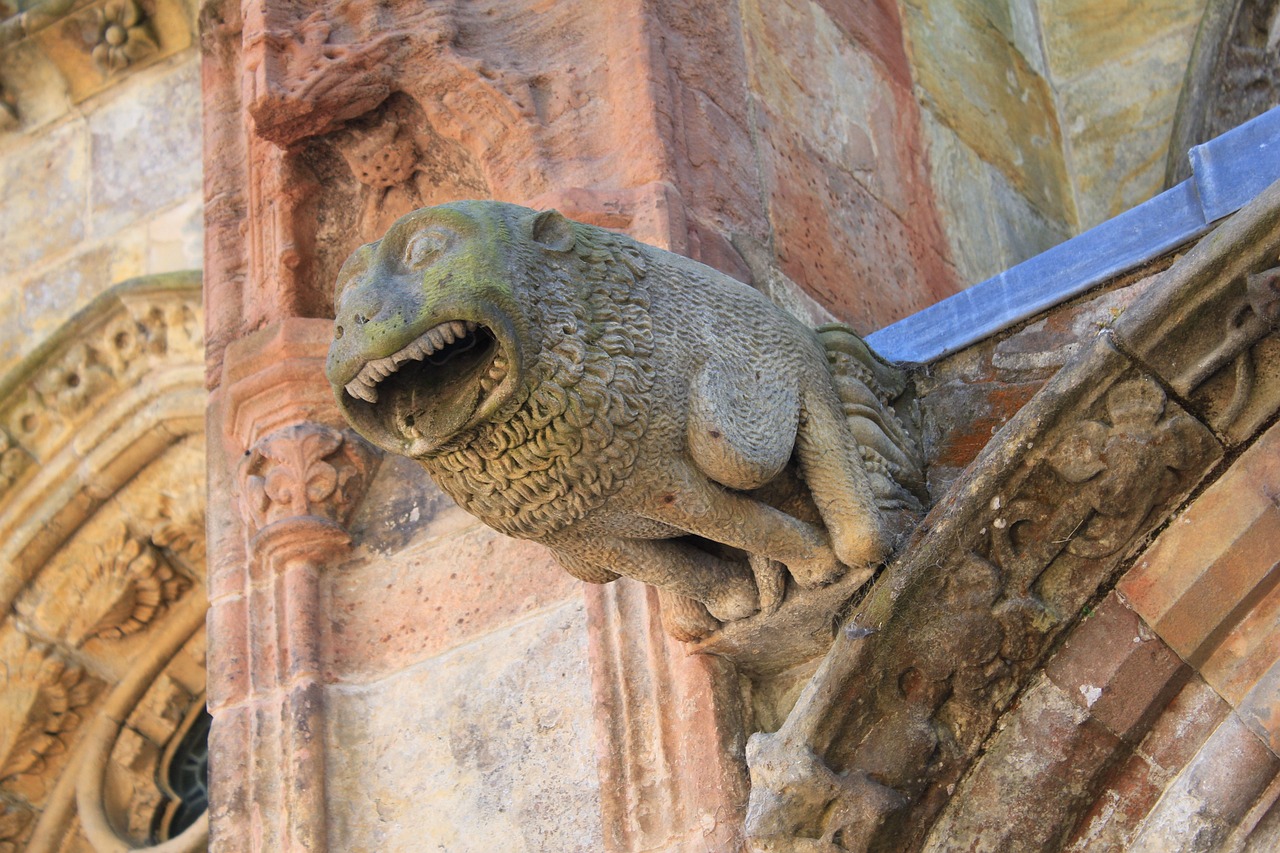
{"x":918,"y":696}
{"x":122,"y":592}
{"x":613,"y":401}
{"x":14,"y":822}
{"x":306,"y":470}
{"x":39,"y":698}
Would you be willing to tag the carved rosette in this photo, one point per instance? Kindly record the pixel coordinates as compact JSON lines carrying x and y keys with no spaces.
{"x":306,"y":470}
{"x":120,"y":34}
{"x":40,"y":695}
{"x":13,"y":461}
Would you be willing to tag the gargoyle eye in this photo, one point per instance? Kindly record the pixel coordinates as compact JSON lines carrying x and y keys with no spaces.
{"x":424,"y":247}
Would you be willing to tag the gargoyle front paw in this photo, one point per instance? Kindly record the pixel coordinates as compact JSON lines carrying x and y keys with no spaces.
{"x":865,"y":547}
{"x":733,"y":599}
{"x":817,"y":571}
{"x":771,"y":582}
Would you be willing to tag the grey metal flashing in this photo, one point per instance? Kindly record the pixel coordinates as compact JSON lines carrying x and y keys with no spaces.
{"x":1227,"y":172}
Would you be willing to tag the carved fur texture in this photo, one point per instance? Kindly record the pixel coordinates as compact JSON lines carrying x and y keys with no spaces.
{"x":639,"y":413}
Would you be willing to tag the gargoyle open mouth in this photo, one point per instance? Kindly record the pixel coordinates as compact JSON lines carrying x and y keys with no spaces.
{"x":430,"y":388}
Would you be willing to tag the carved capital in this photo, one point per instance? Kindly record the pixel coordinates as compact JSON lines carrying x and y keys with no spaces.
{"x":303,"y":471}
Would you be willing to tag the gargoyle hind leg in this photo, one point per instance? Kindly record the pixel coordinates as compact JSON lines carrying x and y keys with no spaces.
{"x":675,"y":568}
{"x":833,"y":470}
{"x":699,"y":506}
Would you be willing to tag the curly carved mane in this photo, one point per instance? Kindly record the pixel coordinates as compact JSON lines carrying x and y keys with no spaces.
{"x":574,"y":434}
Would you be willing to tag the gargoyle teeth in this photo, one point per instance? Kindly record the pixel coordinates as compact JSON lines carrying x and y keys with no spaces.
{"x":365,"y":385}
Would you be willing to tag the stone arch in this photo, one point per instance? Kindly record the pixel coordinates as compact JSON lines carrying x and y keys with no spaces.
{"x":102,"y":572}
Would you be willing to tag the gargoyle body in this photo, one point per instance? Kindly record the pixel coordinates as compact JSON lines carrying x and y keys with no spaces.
{"x":639,"y":413}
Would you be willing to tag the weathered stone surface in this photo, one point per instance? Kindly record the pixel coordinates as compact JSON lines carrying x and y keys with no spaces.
{"x":1135,"y":785}
{"x":840,"y":139}
{"x":1083,"y":35}
{"x":1035,"y":776}
{"x":1118,"y":116}
{"x":496,"y":755}
{"x":998,"y":106}
{"x":43,"y":206}
{"x":1116,"y":669}
{"x":435,"y":597}
{"x":140,"y":148}
{"x":989,"y":225}
{"x":1212,"y":793}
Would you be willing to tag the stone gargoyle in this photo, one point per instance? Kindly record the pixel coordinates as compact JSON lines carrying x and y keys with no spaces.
{"x":639,"y":413}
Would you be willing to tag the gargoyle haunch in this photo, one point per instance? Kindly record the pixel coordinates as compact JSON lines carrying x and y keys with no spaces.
{"x":639,"y":413}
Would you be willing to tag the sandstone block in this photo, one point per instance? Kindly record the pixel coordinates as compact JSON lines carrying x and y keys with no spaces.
{"x":141,"y":145}
{"x":44,"y":199}
{"x":485,"y":747}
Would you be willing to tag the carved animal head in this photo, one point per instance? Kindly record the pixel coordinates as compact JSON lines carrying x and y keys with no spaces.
{"x":433,"y":333}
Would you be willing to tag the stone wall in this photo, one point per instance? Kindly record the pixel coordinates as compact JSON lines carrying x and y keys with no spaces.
{"x":101,"y":174}
{"x":1044,"y":117}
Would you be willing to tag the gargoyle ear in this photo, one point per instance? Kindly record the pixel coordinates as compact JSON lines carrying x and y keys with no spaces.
{"x":553,"y":231}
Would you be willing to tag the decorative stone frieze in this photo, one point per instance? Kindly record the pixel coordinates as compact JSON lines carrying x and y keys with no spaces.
{"x":94,"y":44}
{"x":98,"y":362}
{"x":101,"y":528}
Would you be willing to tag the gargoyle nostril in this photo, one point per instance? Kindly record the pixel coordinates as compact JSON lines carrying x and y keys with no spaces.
{"x":337,"y":333}
{"x":361,"y":319}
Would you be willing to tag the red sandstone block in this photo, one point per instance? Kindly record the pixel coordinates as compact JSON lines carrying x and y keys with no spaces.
{"x":264,"y":642}
{"x":875,"y":25}
{"x":1211,"y":607}
{"x":229,"y":741}
{"x":1249,"y":649}
{"x":1260,"y":708}
{"x":397,"y":609}
{"x":1214,"y":554}
{"x":1113,"y":666}
{"x":228,"y":656}
{"x":1187,"y":721}
{"x":302,"y":619}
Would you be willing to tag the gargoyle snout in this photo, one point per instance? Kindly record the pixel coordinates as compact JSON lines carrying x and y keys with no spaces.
{"x":370,"y":319}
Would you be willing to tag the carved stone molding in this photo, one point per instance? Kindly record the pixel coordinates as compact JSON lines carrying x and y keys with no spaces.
{"x":1231,"y":76}
{"x":90,"y":365}
{"x":1040,"y":523}
{"x":284,"y":517}
{"x":101,"y":529}
{"x":119,"y":593}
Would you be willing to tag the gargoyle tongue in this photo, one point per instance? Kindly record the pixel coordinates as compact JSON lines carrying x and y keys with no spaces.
{"x":425,"y":403}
